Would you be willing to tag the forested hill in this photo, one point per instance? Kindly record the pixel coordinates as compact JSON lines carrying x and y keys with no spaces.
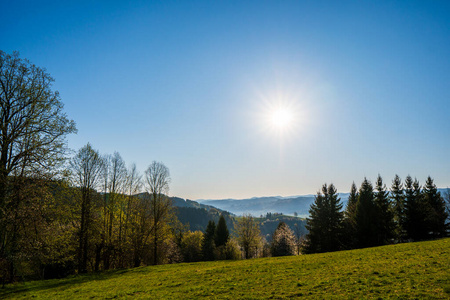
{"x":180,"y":202}
{"x":196,"y":217}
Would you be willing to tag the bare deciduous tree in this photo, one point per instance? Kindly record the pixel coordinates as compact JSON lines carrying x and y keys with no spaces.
{"x":157,"y":179}
{"x":86,"y":167}
{"x":133,"y":186}
{"x":117,"y":174}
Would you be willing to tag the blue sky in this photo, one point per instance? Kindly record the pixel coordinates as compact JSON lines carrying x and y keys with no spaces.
{"x":191,"y":84}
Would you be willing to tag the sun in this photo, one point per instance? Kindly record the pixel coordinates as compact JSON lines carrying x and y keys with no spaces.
{"x":281,"y":118}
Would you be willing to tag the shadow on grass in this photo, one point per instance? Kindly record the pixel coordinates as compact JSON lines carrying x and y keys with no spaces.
{"x":12,"y":290}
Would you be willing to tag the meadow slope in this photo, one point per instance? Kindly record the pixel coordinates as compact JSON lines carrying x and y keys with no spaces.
{"x":414,"y":270}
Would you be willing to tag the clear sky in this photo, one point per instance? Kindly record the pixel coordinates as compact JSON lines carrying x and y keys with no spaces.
{"x":195,"y":84}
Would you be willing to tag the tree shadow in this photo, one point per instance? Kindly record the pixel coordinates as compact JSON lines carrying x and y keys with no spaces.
{"x":11,"y":290}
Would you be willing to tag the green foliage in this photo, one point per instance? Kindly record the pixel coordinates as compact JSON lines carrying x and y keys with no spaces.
{"x":437,"y":215}
{"x":416,"y":211}
{"x":349,"y":224}
{"x":351,"y":204}
{"x":366,"y":216}
{"x":325,"y":224}
{"x":33,"y":125}
{"x":222,"y":234}
{"x":249,"y":236}
{"x":385,"y":219}
{"x":398,"y":199}
{"x":191,"y":246}
{"x":208,"y":244}
{"x":402,"y":271}
{"x":33,"y":130}
{"x":229,"y":251}
{"x":44,"y":232}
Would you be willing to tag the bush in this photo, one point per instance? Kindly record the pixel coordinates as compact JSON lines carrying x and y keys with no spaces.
{"x":191,"y":246}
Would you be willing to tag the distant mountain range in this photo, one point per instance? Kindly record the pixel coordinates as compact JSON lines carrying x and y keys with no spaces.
{"x":257,"y":206}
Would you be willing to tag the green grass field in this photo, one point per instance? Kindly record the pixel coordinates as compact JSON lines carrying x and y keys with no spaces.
{"x":414,"y":270}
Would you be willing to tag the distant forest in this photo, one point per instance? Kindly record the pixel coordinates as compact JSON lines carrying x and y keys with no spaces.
{"x":64,"y":214}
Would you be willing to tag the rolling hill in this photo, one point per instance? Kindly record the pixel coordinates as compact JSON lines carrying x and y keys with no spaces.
{"x":402,"y":271}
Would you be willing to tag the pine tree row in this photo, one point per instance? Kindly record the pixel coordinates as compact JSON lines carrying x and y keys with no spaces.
{"x":375,"y":216}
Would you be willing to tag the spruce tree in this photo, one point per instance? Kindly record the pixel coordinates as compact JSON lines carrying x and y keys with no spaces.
{"x":315,"y":225}
{"x":335,"y":220}
{"x":366,"y":216}
{"x":415,"y":211}
{"x":437,"y":215}
{"x":349,"y":218}
{"x":208,"y":244}
{"x":385,"y":219}
{"x":398,"y":200}
{"x":351,"y":204}
{"x":222,"y":233}
{"x":325,"y":224}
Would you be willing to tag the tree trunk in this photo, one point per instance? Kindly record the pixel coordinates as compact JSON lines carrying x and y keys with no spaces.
{"x":155,"y":248}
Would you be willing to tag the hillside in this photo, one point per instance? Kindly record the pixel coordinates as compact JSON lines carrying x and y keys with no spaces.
{"x":414,"y":270}
{"x":196,"y":216}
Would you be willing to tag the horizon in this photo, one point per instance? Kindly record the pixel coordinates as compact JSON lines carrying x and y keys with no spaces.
{"x":440,"y":189}
{"x":244,"y":100}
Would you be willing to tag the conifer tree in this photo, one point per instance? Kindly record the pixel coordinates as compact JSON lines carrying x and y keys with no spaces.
{"x":325,"y":224}
{"x":208,"y":244}
{"x":447,"y":204}
{"x":349,"y":218}
{"x":315,"y":224}
{"x":415,"y":211}
{"x":366,"y":216}
{"x":437,"y":215}
{"x":398,"y":199}
{"x":385,"y":218}
{"x":335,"y":220}
{"x":352,"y":200}
{"x":222,"y":234}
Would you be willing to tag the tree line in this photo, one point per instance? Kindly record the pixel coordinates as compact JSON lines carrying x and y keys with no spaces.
{"x":376,"y":216}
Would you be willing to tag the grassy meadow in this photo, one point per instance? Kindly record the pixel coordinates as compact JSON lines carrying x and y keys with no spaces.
{"x":413,"y":270}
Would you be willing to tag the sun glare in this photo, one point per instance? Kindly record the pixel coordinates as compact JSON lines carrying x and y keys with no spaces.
{"x":281,"y":118}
